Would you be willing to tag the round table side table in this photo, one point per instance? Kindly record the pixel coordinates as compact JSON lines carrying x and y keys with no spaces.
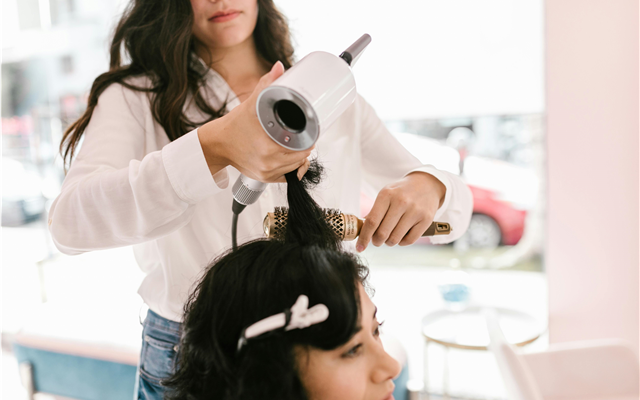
{"x":467,"y":330}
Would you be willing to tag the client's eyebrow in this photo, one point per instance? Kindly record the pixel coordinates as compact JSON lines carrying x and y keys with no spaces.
{"x":375,"y":312}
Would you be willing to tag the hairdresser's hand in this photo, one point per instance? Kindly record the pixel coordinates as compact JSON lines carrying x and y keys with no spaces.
{"x":239,"y":140}
{"x":402,"y":211}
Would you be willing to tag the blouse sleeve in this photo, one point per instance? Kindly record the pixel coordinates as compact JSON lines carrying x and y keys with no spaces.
{"x":385,"y":160}
{"x":115,"y":194}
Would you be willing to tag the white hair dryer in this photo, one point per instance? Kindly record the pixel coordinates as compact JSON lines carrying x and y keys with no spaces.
{"x":306,"y":100}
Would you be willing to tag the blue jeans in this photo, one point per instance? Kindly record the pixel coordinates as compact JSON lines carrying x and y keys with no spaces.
{"x":160,"y":338}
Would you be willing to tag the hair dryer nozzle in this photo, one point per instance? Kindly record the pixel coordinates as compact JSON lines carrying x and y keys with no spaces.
{"x":246,"y":190}
{"x":353,"y":52}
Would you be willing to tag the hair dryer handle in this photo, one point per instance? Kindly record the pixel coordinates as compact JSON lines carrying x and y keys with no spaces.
{"x":246,"y":190}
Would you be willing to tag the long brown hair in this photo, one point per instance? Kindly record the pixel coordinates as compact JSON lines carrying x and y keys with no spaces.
{"x":157,"y":37}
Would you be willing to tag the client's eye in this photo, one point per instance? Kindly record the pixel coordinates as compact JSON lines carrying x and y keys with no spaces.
{"x":354,"y":351}
{"x":357,"y":349}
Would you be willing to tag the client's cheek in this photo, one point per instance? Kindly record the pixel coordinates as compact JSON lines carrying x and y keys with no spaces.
{"x":325,"y":380}
{"x":339,"y":385}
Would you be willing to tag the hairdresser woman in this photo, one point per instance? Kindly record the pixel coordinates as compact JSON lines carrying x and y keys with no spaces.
{"x":164,"y":135}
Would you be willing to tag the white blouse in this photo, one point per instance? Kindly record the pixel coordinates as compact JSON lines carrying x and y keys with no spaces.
{"x":130,"y":186}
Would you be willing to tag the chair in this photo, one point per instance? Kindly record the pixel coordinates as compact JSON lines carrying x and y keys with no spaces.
{"x":78,"y":351}
{"x":594,"y":370}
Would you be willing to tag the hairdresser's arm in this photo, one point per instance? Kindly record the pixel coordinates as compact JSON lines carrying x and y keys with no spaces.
{"x":115,"y":194}
{"x":411,"y":195}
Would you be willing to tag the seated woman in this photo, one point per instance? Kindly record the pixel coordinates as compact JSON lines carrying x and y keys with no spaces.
{"x":284,"y":319}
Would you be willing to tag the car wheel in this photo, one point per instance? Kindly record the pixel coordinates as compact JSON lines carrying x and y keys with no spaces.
{"x":483,"y":233}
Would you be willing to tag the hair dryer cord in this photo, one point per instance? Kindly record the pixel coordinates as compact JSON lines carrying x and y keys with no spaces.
{"x":234,"y":231}
{"x":237,"y":209}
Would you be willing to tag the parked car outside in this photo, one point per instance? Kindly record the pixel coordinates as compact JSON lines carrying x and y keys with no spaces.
{"x":494,"y":221}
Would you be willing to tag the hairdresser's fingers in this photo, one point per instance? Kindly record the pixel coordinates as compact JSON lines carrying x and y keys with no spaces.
{"x":289,"y":151}
{"x":408,"y":220}
{"x":271,"y":169}
{"x":389,"y":222}
{"x":416,"y":232}
{"x":373,"y":220}
{"x":284,"y":163}
{"x":282,"y":179}
{"x":294,"y":157}
{"x":303,"y":168}
{"x":278,"y":175}
{"x":279,"y":161}
{"x":271,"y":176}
{"x":267,"y":150}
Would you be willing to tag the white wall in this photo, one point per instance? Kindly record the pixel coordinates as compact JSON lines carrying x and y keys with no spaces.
{"x":433,"y":58}
{"x":592,"y":106}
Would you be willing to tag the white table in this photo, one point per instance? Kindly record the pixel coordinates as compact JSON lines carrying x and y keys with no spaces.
{"x":467,"y":330}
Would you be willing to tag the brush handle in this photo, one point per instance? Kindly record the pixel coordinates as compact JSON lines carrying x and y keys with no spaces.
{"x":353,"y":226}
{"x":346,"y":226}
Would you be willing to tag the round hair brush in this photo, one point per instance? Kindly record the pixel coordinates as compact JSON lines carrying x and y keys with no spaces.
{"x":346,"y":226}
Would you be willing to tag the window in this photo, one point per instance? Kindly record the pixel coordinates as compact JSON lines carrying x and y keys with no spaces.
{"x":458,"y":82}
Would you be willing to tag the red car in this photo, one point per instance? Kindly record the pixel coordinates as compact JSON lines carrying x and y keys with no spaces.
{"x":494,"y":222}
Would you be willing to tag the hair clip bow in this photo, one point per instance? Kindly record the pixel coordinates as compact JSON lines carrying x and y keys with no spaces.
{"x":303,"y":317}
{"x":299,"y":316}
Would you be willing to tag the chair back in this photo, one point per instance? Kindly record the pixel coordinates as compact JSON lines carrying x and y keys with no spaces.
{"x":517,"y":377}
{"x":606,"y":368}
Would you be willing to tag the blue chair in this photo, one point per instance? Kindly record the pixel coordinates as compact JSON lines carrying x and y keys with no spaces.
{"x":78,"y":352}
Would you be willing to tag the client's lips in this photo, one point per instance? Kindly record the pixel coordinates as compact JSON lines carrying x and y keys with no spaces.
{"x":222,"y":16}
{"x":389,"y":396}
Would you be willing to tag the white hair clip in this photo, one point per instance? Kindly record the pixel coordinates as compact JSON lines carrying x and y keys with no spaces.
{"x":297,"y":317}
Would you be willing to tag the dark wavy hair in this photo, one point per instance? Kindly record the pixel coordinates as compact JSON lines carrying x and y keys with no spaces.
{"x":156,"y":36}
{"x":260,"y":279}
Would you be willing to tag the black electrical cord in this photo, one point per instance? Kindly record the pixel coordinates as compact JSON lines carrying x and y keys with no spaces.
{"x":234,"y":231}
{"x":237,"y":209}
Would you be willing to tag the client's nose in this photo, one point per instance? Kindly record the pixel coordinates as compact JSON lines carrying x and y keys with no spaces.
{"x":387,"y":366}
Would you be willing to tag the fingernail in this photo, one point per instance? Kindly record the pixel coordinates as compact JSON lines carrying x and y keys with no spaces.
{"x":274,"y":65}
{"x":359,"y":248}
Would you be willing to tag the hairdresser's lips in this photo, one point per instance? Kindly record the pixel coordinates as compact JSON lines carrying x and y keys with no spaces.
{"x":224,"y":16}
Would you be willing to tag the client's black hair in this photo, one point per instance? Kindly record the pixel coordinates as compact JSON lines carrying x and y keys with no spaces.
{"x":306,"y":218}
{"x":257,"y":280}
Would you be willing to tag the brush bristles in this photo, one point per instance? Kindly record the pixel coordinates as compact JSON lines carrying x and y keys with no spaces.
{"x":333,"y":217}
{"x":281,"y":210}
{"x":331,"y":211}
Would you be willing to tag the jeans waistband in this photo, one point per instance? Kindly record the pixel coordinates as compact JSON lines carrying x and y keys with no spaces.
{"x":166,"y":325}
